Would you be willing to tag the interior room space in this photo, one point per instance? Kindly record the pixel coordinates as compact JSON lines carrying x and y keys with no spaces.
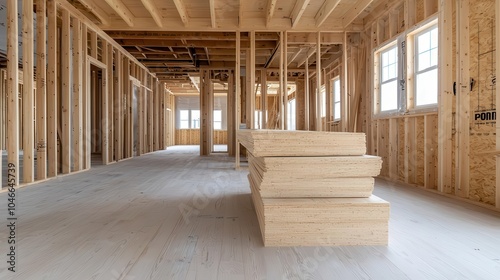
{"x":264,"y":139}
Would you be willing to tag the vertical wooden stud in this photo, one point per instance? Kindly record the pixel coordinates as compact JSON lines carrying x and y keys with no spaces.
{"x":251,"y":114}
{"x":85,"y":101}
{"x":263,"y":97}
{"x":12,"y":95}
{"x":77,"y":128}
{"x":429,"y":152}
{"x":307,"y":96}
{"x":41,"y":92}
{"x":110,"y":99}
{"x":285,"y":80}
{"x":282,"y":85}
{"x":66,"y":92}
{"x":393,"y":149}
{"x":344,"y":100}
{"x":118,"y":108}
{"x":319,"y":125}
{"x":28,"y":94}
{"x":497,"y":56}
{"x":238,"y":96}
{"x":52,"y":89}
{"x":104,"y":107}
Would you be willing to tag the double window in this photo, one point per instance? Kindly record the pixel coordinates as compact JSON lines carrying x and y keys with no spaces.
{"x":189,"y":119}
{"x":406,"y":72}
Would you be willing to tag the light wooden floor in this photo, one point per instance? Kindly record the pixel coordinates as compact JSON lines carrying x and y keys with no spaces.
{"x":123,"y":221}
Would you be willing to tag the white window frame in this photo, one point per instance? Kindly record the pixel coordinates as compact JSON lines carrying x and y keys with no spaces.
{"x":378,"y":68}
{"x":411,"y":77}
{"x":291,"y":114}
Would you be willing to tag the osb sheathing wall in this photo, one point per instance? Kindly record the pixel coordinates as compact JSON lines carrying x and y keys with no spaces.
{"x":408,"y":144}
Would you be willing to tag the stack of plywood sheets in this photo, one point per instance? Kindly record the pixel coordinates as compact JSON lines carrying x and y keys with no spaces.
{"x":305,"y":197}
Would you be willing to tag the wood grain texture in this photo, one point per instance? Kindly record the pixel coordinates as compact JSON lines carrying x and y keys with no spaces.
{"x":122,"y":221}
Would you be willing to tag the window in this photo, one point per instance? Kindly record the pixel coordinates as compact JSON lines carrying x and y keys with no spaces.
{"x":389,"y":79}
{"x":336,"y":98}
{"x":195,"y":118}
{"x":184,"y":119}
{"x":217,"y":119}
{"x":426,"y":62}
{"x":257,"y":119}
{"x":291,"y":115}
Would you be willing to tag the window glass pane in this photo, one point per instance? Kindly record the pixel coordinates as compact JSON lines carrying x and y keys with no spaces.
{"x":184,"y":124}
{"x":336,"y":90}
{"x":426,"y":92}
{"x":184,"y":115}
{"x":424,"y":60}
{"x":434,"y":57}
{"x":291,"y":115}
{"x":385,"y":58}
{"x":323,"y":103}
{"x":392,"y":56}
{"x":434,"y":38}
{"x":389,"y":96}
{"x":385,"y":74}
{"x":336,"y":111}
{"x":195,"y":118}
{"x":217,"y":115}
{"x":424,"y":43}
{"x":392,"y":71}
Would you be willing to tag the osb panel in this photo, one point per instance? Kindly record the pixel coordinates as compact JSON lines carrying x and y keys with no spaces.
{"x":401,"y":149}
{"x":432,"y":146}
{"x":483,"y":97}
{"x":419,"y":157}
{"x":383,"y":145}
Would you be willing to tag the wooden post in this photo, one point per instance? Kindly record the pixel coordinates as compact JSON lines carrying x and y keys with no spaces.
{"x":251,"y":114}
{"x":28,"y":94}
{"x":238,"y":96}
{"x":105,"y":108}
{"x":156,"y":115}
{"x":344,"y":99}
{"x":497,"y":56}
{"x":66,"y":92}
{"x":52,"y":89}
{"x":328,"y":86}
{"x":231,"y":115}
{"x":263,"y":97}
{"x":150,"y":115}
{"x":110,"y":95}
{"x":285,"y":80}
{"x":318,"y":82}
{"x":86,"y":122}
{"x":118,"y":110}
{"x":282,"y":86}
{"x":77,"y":128}
{"x":12,"y":95}
{"x":462,"y":180}
{"x":41,"y":93}
{"x":307,"y":96}
{"x":127,"y":90}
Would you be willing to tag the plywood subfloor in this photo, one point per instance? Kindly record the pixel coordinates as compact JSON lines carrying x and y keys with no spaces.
{"x":123,"y":221}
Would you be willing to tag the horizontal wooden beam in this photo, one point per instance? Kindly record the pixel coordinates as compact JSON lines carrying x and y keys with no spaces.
{"x":182,"y":11}
{"x":122,"y":11}
{"x":209,"y":44}
{"x":153,"y":11}
{"x":96,"y":10}
{"x":325,"y":11}
{"x":298,"y":11}
{"x":355,"y":11}
{"x":271,"y":7}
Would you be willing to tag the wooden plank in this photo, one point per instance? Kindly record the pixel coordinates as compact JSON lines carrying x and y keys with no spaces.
{"x":298,"y":11}
{"x":497,"y":57}
{"x":393,"y":149}
{"x":251,"y":73}
{"x":462,"y":171}
{"x":445,"y":109}
{"x":319,"y":126}
{"x":52,"y":89}
{"x":104,"y":107}
{"x":354,"y":12}
{"x":212,"y":13}
{"x":181,"y":8}
{"x":118,"y":104}
{"x":77,"y":127}
{"x":430,"y":137}
{"x":237,"y":97}
{"x":110,"y":101}
{"x":28,"y":94}
{"x":122,"y":11}
{"x":66,"y":92}
{"x":325,"y":11}
{"x":12,"y":95}
{"x":271,"y":7}
{"x":153,"y":11}
{"x":41,"y":92}
{"x":86,"y":122}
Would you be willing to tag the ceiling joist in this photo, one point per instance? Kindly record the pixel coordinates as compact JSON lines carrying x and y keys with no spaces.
{"x":355,"y":11}
{"x":182,"y":11}
{"x":153,"y":10}
{"x":298,"y":11}
{"x":94,"y":9}
{"x":325,"y":11}
{"x":271,"y":6}
{"x":122,"y":11}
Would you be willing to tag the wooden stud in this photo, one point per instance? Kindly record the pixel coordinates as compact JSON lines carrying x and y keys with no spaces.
{"x":282,"y":83}
{"x":251,"y":101}
{"x":409,"y":13}
{"x":12,"y":95}
{"x":497,"y":56}
{"x":429,"y":151}
{"x":462,"y":180}
{"x":307,"y":96}
{"x":104,"y":107}
{"x":410,"y":158}
{"x":77,"y":127}
{"x":28,"y":94}
{"x":41,"y":92}
{"x":150,"y":115}
{"x":85,"y":103}
{"x":238,"y":97}
{"x":66,"y":92}
{"x":393,"y":149}
{"x":156,"y":114}
{"x":344,"y":99}
{"x":445,"y":83}
{"x":319,"y":125}
{"x":52,"y":89}
{"x":263,"y":97}
{"x":110,"y":101}
{"x":285,"y":80}
{"x":128,"y":124}
{"x":3,"y":111}
{"x":328,"y":86}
